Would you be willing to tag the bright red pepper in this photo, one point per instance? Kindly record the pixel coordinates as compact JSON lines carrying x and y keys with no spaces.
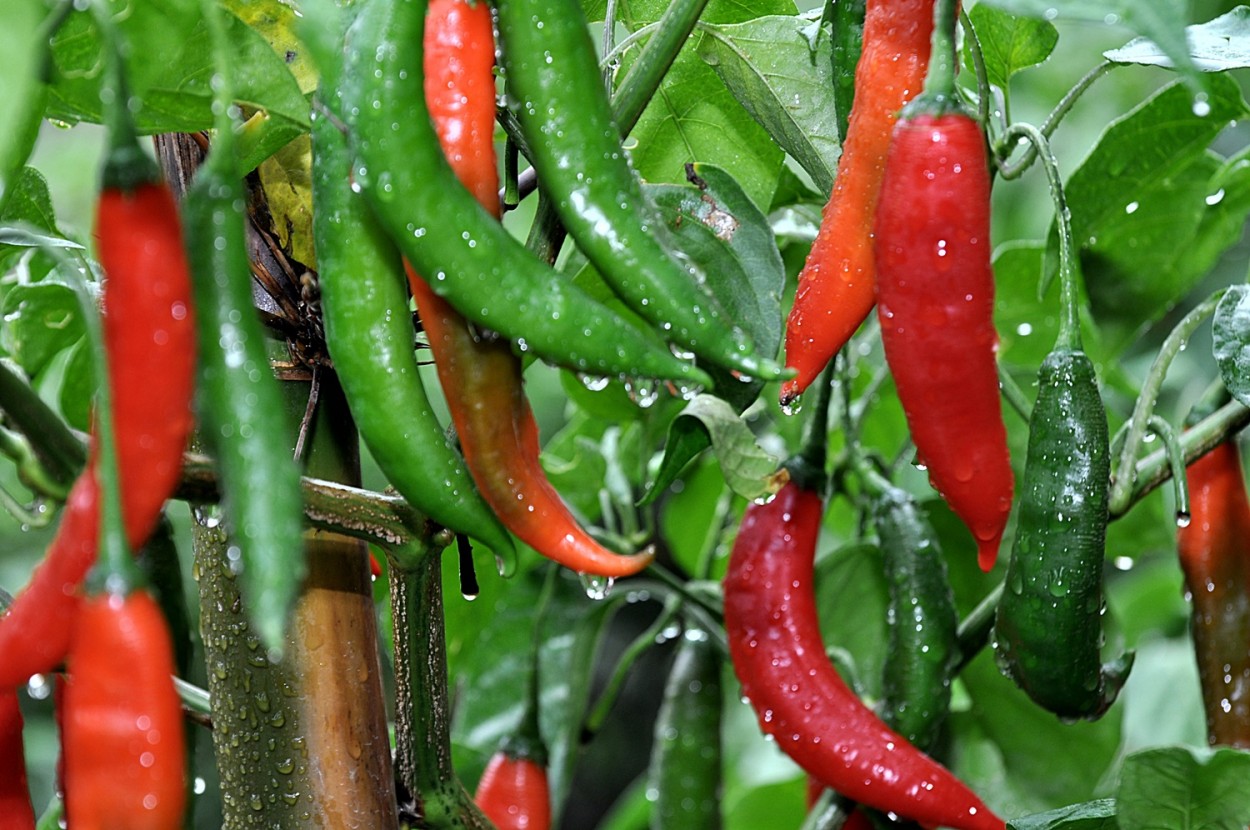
{"x":837,"y":283}
{"x":480,"y":375}
{"x":779,"y":657}
{"x":123,"y":738}
{"x":513,"y":793}
{"x":1215,"y":557}
{"x":150,"y":337}
{"x":16,"y":812}
{"x":936,"y":301}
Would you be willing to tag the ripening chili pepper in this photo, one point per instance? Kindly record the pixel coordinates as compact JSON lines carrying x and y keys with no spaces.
{"x":685,"y":768}
{"x":513,"y":793}
{"x":837,"y":283}
{"x":935,"y":294}
{"x":368,"y":330}
{"x":480,"y":374}
{"x":468,"y":257}
{"x":500,"y":442}
{"x":779,"y":657}
{"x":123,"y":738}
{"x":1048,"y":627}
{"x":1215,"y":557}
{"x":922,"y":649}
{"x":149,"y":331}
{"x":556,"y":90}
{"x":240,"y":403}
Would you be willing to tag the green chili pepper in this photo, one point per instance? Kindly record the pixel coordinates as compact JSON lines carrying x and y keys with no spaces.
{"x":466,"y":256}
{"x":922,"y":650}
{"x":685,"y":768}
{"x":555,"y":89}
{"x":368,"y":331}
{"x":240,"y":402}
{"x":1048,"y":629}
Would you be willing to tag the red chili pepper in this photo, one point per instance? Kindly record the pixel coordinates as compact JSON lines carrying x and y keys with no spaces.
{"x":16,"y":812}
{"x":123,"y":734}
{"x":150,"y":338}
{"x":481,"y":376}
{"x":837,"y":283}
{"x":779,"y":657}
{"x":1215,"y":557}
{"x":513,"y":793}
{"x":936,"y":302}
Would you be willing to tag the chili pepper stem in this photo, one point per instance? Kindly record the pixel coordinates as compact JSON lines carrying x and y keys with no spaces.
{"x":939,"y":82}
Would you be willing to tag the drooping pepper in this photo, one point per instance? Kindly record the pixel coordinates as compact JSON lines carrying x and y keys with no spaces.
{"x":1215,"y":557}
{"x":468,"y":258}
{"x":556,"y":90}
{"x":837,"y":284}
{"x":149,"y":331}
{"x":1048,"y":627}
{"x":779,"y":657}
{"x":480,"y":374}
{"x":935,"y":295}
{"x":16,"y":812}
{"x":368,"y":330}
{"x":513,"y":793}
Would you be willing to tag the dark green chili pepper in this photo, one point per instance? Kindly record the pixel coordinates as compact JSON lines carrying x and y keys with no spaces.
{"x":241,"y":406}
{"x":368,"y":330}
{"x":922,"y":650}
{"x":556,"y":91}
{"x":1048,"y":629}
{"x":462,"y":251}
{"x":685,"y":769}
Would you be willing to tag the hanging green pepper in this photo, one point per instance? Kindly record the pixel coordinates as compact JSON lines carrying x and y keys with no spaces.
{"x":556,"y":91}
{"x":369,"y":334}
{"x":685,"y":768}
{"x":1048,"y":630}
{"x":240,"y":402}
{"x":453,"y":242}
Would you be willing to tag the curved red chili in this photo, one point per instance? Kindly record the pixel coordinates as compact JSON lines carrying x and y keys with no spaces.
{"x":779,"y":657}
{"x":123,"y":739}
{"x":935,"y":295}
{"x":16,"y":812}
{"x":837,"y":283}
{"x":513,"y":793}
{"x":1215,"y":557}
{"x":150,"y":337}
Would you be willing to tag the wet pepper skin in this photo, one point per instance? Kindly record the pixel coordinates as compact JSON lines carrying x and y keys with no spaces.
{"x":779,"y":657}
{"x":935,"y":295}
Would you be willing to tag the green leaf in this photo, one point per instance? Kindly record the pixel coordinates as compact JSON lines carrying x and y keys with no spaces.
{"x":695,"y":117}
{"x":1142,"y":207}
{"x":27,"y":208}
{"x":1163,"y":22}
{"x":769,"y":66}
{"x":852,"y":596}
{"x":1230,"y":334}
{"x":1182,"y":787}
{"x":1009,"y":43}
{"x":21,"y":88}
{"x":1092,"y":815}
{"x":719,"y":227}
{"x":1215,"y":46}
{"x":749,"y":470}
{"x":40,"y":320}
{"x":170,"y":72}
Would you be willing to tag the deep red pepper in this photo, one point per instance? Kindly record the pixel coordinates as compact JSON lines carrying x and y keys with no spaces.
{"x":16,"y":812}
{"x":1215,"y":557}
{"x":935,"y":295}
{"x":123,"y":739}
{"x":837,"y":283}
{"x":513,"y":793}
{"x":480,"y":375}
{"x":779,"y":657}
{"x":149,"y":334}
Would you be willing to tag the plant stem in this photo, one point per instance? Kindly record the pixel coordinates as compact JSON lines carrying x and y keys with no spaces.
{"x":1002,"y":150}
{"x":1124,"y":474}
{"x":1014,"y":394}
{"x":939,"y":82}
{"x":640,"y":645}
{"x":62,"y":453}
{"x":974,"y":630}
